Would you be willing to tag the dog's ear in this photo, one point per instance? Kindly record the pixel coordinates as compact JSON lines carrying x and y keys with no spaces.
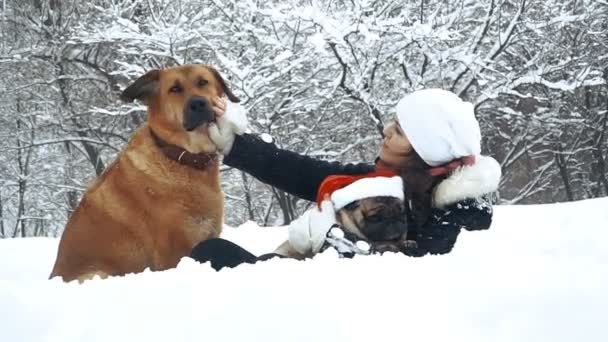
{"x":142,"y":88}
{"x":225,"y":88}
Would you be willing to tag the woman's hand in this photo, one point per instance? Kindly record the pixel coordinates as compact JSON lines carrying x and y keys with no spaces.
{"x":230,"y":121}
{"x":218,"y":105}
{"x":307,"y":233}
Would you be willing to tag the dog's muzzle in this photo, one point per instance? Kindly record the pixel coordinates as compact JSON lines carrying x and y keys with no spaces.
{"x":197,"y":112}
{"x":387,"y":230}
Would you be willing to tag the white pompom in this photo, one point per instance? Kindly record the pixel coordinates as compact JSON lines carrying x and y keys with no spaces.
{"x":363,"y":245}
{"x":267,"y":138}
{"x":337,"y":233}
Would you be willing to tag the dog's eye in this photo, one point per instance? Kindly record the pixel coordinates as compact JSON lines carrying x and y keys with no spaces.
{"x":201,"y":83}
{"x":352,"y":206}
{"x":374,"y":218}
{"x":176,"y":89}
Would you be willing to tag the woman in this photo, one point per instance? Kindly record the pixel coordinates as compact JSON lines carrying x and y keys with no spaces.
{"x":434,"y":144}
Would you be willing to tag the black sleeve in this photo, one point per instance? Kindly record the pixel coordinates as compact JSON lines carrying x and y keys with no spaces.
{"x":291,"y":172}
{"x":439,"y":235}
{"x":471,"y":214}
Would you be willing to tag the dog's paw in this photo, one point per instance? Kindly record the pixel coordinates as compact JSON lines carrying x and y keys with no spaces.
{"x":383,"y":247}
{"x":409,"y":247}
{"x":409,"y":244}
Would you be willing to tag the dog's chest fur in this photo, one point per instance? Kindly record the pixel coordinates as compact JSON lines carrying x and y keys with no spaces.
{"x":144,"y":211}
{"x":188,"y":202}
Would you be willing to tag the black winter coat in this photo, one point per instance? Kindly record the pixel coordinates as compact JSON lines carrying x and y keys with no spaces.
{"x":301,"y":176}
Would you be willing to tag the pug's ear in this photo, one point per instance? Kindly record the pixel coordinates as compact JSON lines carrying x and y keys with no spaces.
{"x":222,"y":83}
{"x":143,"y":88}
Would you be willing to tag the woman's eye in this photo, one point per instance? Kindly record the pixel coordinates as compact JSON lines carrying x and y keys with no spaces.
{"x":175,"y":89}
{"x":202,"y":83}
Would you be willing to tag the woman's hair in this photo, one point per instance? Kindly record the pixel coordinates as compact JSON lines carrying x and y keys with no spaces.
{"x":418,"y":186}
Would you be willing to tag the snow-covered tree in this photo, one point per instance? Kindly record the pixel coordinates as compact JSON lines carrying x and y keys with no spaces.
{"x":320,"y":76}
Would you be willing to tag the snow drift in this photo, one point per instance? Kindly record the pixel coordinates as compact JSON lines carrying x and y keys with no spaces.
{"x":539,"y":274}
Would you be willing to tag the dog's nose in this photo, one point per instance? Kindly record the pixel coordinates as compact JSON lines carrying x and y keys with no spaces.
{"x":394,"y":231}
{"x":387,"y":230}
{"x":197,"y":112}
{"x":197,"y":104}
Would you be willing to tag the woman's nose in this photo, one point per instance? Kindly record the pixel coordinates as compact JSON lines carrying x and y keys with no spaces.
{"x":387,"y":131}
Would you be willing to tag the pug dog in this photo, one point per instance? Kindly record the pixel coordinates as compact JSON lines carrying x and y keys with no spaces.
{"x":381,"y":222}
{"x":371,"y":216}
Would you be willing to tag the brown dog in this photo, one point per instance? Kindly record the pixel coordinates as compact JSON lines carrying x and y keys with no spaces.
{"x":380,"y":221}
{"x":162,"y":194}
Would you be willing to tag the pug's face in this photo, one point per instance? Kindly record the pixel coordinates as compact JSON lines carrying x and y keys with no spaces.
{"x":379,"y":220}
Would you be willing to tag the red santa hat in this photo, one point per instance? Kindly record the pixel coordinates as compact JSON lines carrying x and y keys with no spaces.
{"x":345,"y":189}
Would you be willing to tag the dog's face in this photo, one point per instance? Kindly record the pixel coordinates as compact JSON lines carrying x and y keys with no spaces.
{"x":179,"y":103}
{"x":375,"y":219}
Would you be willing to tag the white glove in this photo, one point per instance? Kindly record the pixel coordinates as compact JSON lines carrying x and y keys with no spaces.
{"x":307,"y":233}
{"x":233,"y":122}
{"x":345,"y":247}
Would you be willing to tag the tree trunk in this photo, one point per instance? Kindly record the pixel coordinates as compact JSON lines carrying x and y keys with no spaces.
{"x":2,"y":232}
{"x":250,"y":210}
{"x":599,"y":155}
{"x":92,"y":152}
{"x":71,"y":195}
{"x":422,"y":11}
{"x":285,"y":205}
{"x":561,"y":163}
{"x":22,"y":183}
{"x":598,"y":151}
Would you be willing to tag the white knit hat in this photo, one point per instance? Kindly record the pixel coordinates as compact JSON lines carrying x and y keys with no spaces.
{"x":439,"y":125}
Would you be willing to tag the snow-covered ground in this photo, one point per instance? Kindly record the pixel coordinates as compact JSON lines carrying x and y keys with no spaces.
{"x":539,"y":274}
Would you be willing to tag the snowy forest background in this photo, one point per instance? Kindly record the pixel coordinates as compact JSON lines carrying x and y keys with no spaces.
{"x":320,"y":76}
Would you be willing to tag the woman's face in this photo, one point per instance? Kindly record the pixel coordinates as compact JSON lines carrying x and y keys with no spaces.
{"x":396,"y":146}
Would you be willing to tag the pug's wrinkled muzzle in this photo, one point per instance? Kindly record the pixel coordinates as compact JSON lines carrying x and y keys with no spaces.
{"x":387,"y":230}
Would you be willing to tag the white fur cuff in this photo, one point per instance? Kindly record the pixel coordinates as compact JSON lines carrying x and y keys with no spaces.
{"x":236,"y":115}
{"x":472,"y":181}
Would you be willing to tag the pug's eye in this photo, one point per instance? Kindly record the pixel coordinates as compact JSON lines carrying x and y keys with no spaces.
{"x":352,"y":206}
{"x":201,"y":83}
{"x":176,"y":89}
{"x":374,"y":218}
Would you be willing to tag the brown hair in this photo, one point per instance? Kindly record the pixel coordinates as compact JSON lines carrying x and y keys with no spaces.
{"x":418,"y":185}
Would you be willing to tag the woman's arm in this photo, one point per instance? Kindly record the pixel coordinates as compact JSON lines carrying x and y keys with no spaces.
{"x":465,"y":201}
{"x":291,"y":172}
{"x":471,"y":214}
{"x":439,"y":235}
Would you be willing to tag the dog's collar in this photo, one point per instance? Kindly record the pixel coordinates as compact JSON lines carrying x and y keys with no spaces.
{"x":198,"y":161}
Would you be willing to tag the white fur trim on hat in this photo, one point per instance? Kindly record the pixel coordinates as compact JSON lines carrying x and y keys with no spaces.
{"x":466,"y":182}
{"x":439,"y":125}
{"x":368,"y":187}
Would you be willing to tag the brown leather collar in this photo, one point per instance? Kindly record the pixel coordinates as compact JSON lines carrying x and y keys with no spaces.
{"x":198,"y":161}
